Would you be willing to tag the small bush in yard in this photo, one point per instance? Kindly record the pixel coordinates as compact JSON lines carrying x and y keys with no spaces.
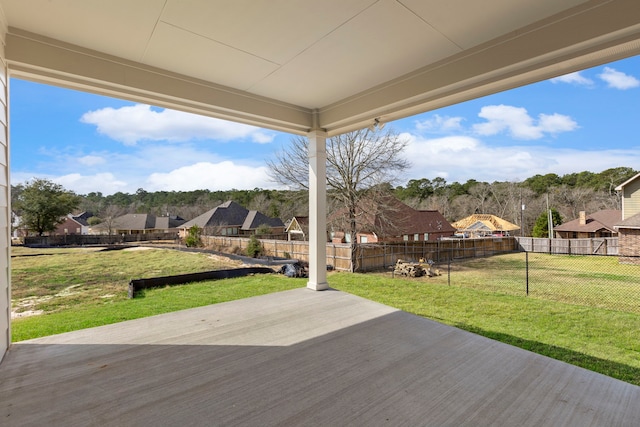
{"x":193,"y":237}
{"x":254,"y":248}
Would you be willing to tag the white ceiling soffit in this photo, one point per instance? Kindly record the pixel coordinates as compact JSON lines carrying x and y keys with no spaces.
{"x":297,"y":65}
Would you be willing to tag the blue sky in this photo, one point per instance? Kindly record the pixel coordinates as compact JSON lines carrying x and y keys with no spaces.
{"x":582,"y":121}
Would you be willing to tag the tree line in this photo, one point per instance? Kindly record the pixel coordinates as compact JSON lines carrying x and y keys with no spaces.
{"x":567,"y":195}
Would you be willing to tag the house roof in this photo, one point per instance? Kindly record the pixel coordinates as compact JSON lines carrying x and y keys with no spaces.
{"x":391,"y":217}
{"x":426,"y":221}
{"x":167,"y":222}
{"x":143,"y":222}
{"x":255,"y":219}
{"x":231,"y":214}
{"x":82,"y":218}
{"x":228,"y":214}
{"x":604,"y":219}
{"x":134,"y":222}
{"x":632,"y":222}
{"x":485,"y":222}
{"x":275,"y":67}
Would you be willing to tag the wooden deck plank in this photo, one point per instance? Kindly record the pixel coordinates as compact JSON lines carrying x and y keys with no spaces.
{"x":298,"y":358}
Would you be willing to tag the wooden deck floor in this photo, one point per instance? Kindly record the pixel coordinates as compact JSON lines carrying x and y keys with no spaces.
{"x":298,"y":358}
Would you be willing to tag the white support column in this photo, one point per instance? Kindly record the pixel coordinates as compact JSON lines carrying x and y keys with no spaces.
{"x":5,"y":201}
{"x":317,"y":210}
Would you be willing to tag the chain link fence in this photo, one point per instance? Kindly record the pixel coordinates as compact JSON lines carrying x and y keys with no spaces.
{"x":589,"y":280}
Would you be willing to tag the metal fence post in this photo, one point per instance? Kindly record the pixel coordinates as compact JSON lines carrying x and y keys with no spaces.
{"x":526,"y":263}
{"x":449,"y":268}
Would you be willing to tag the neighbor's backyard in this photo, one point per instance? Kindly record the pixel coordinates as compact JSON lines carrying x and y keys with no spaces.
{"x":582,"y":310}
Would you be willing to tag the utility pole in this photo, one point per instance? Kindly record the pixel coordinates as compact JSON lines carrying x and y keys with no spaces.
{"x":549,"y":219}
{"x":521,"y":216}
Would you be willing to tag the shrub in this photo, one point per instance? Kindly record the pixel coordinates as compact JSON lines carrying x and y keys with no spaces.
{"x":254,"y":248}
{"x":263,"y":229}
{"x":192,"y":239}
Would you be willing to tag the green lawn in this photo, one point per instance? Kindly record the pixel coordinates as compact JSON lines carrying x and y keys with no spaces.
{"x":150,"y":302}
{"x":595,"y":281}
{"x":480,"y":299}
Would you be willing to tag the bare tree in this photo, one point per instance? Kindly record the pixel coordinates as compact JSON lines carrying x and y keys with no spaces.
{"x":358,"y":164}
{"x":109,"y":215}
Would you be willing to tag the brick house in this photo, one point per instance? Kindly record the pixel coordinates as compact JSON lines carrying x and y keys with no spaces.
{"x":389,"y":221}
{"x":73,"y":225}
{"x":598,"y":224}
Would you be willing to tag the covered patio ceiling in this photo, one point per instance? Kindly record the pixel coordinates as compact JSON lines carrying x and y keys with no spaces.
{"x":304,"y":65}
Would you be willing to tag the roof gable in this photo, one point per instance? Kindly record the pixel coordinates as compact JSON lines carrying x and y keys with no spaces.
{"x":298,"y":223}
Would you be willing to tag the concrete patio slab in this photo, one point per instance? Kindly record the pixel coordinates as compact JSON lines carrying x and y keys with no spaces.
{"x":298,"y":358}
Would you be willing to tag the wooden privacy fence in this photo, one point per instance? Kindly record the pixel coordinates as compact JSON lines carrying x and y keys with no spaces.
{"x":591,"y":246}
{"x":371,"y":257}
{"x":338,"y":254}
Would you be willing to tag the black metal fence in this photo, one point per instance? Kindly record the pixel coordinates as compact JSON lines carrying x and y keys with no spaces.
{"x":586,"y":280}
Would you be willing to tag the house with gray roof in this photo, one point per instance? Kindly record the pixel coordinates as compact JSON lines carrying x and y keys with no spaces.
{"x":232,"y":219}
{"x":139,"y":224}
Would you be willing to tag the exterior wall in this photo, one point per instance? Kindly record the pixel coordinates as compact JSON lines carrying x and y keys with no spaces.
{"x":69,"y":226}
{"x":631,"y":199}
{"x":5,"y":203}
{"x":629,"y":242}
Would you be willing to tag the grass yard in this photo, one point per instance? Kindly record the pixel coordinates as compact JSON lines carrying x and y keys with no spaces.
{"x":595,"y":281}
{"x":51,"y":280}
{"x":79,"y":288}
{"x":64,"y":290}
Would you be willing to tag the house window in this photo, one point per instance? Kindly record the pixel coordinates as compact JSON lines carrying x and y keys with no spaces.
{"x":416,"y":237}
{"x":426,"y":236}
{"x":363,"y":239}
{"x":405,"y":237}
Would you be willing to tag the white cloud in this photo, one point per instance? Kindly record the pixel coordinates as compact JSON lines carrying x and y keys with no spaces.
{"x":573,"y":78}
{"x":85,"y":184}
{"x":440,"y":124}
{"x":519,"y":124}
{"x":140,"y":122}
{"x":91,"y":160}
{"x":224,"y":175}
{"x":618,"y":80}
